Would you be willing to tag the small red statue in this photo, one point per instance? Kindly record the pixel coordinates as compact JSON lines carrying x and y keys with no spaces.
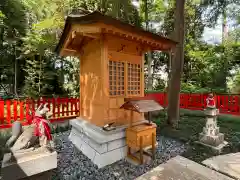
{"x":210,"y":101}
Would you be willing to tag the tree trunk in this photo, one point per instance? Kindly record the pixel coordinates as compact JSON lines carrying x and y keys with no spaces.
{"x":15,"y":73}
{"x":177,"y":65}
{"x":224,"y":27}
{"x":225,"y":60}
{"x":149,"y":54}
{"x":150,"y":78}
{"x":39,"y":76}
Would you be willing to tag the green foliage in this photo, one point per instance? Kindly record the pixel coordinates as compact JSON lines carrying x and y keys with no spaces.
{"x":235,"y":83}
{"x":42,"y":77}
{"x":2,"y":16}
{"x":217,"y":8}
{"x":153,"y":11}
{"x":160,"y":84}
{"x":120,"y":9}
{"x":13,"y":27}
{"x":71,"y":71}
{"x":43,"y":36}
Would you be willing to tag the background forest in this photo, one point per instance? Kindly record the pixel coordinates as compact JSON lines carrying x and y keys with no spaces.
{"x":30,"y":30}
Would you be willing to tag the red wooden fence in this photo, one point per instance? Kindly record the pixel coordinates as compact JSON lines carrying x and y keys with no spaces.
{"x":14,"y":110}
{"x":227,"y":104}
{"x":66,"y":108}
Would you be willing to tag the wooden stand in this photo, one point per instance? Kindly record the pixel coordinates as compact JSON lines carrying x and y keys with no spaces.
{"x":143,"y":135}
{"x":140,"y":137}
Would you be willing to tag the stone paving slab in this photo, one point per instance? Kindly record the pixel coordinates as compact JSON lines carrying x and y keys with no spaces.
{"x":228,"y":164}
{"x":180,"y":168}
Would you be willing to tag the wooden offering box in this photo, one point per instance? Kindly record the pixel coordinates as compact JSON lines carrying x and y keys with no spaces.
{"x":135,"y":133}
{"x":139,"y":137}
{"x":143,"y":135}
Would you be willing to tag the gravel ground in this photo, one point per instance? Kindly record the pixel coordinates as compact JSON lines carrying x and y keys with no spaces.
{"x":72,"y":164}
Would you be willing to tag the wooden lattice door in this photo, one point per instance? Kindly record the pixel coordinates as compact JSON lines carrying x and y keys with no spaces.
{"x":116,"y":78}
{"x":124,"y":79}
{"x":134,"y":80}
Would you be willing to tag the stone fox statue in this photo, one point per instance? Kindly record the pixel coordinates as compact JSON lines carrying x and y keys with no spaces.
{"x":37,"y":135}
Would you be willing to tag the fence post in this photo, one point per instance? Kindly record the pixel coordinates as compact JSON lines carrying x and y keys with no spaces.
{"x":33,"y":105}
{"x":15,"y":110}
{"x":53,"y":108}
{"x":2,"y":108}
{"x":8,"y":102}
{"x":71,"y":101}
{"x":21,"y":104}
{"x":28,"y":115}
{"x":67,"y":106}
{"x":186,"y":99}
{"x":58,"y":107}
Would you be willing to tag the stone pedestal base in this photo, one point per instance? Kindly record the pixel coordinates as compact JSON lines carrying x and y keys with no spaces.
{"x":211,"y":137}
{"x":211,"y":140}
{"x":102,"y":147}
{"x":217,"y":149}
{"x":34,"y":167}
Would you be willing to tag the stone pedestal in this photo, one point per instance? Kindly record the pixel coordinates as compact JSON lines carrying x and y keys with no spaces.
{"x":102,"y":147}
{"x":37,"y":166}
{"x":211,"y":136}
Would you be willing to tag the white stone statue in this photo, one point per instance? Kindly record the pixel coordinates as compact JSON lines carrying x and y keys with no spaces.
{"x":32,"y":154}
{"x":33,"y":139}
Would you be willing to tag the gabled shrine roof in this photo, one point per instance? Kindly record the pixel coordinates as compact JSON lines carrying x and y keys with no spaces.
{"x":113,"y":26}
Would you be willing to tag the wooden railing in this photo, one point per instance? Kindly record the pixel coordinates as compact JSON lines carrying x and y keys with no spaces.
{"x":66,"y":108}
{"x":227,"y":104}
{"x":21,"y":110}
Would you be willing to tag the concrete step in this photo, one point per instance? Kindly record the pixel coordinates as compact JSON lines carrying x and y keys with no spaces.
{"x":180,"y":168}
{"x":228,"y":164}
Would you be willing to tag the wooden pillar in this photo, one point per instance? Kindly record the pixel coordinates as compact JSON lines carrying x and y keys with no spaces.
{"x":141,"y":150}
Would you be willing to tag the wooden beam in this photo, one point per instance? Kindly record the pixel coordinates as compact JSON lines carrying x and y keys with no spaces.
{"x":92,"y":35}
{"x":135,"y":37}
{"x":79,"y":49}
{"x":68,"y":39}
{"x":68,"y":52}
{"x":86,"y":28}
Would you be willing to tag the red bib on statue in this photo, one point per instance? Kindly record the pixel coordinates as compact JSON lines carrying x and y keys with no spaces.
{"x":42,"y":127}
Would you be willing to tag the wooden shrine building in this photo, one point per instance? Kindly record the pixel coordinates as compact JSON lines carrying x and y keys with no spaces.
{"x":111,"y":57}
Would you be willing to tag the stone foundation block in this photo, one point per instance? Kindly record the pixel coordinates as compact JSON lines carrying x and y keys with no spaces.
{"x":35,"y":167}
{"x":211,"y":140}
{"x":102,"y":147}
{"x":110,"y":157}
{"x":116,"y":144}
